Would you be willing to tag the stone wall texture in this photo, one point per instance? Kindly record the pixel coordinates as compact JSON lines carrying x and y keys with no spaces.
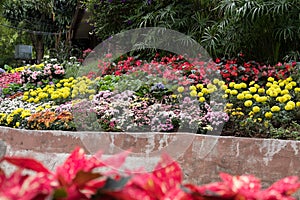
{"x":202,"y":157}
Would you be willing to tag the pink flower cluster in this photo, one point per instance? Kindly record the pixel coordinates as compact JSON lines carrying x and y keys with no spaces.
{"x":79,"y":177}
{"x":35,"y":75}
{"x":7,"y":78}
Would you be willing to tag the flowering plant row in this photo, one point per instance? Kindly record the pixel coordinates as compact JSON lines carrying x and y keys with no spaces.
{"x":80,"y":177}
{"x":182,"y":96}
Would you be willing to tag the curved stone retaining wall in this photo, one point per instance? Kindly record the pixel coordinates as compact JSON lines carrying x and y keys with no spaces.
{"x":201,"y":157}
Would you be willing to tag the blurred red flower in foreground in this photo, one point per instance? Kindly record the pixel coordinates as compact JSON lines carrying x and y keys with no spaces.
{"x":76,"y":179}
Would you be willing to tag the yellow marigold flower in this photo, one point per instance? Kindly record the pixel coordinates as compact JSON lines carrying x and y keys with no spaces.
{"x":192,"y":87}
{"x":201,"y":99}
{"x":33,"y":93}
{"x":280,"y":99}
{"x":231,"y":84}
{"x":234,"y":92}
{"x":271,"y":79}
{"x":227,"y":91}
{"x":281,"y":84}
{"x":291,"y":103}
{"x":237,"y":86}
{"x":225,"y":96}
{"x":252,"y":89}
{"x":261,"y":99}
{"x":248,"y":96}
{"x":25,"y":98}
{"x":288,"y":107}
{"x":17,"y":124}
{"x":257,"y":86}
{"x":216,"y":81}
{"x":256,"y":109}
{"x":266,"y":124}
{"x":273,"y":93}
{"x":287,"y":97}
{"x":211,"y":90}
{"x":269,"y":115}
{"x":193,"y":93}
{"x":297,"y":89}
{"x":289,"y":79}
{"x":36,"y":100}
{"x":240,"y":96}
{"x":229,"y":105}
{"x":199,"y":86}
{"x":179,"y":89}
{"x":200,"y":94}
{"x":255,"y":96}
{"x":269,"y":84}
{"x":26,"y":93}
{"x":58,"y":85}
{"x":261,"y":90}
{"x":289,"y":86}
{"x":285,"y":91}
{"x":298,"y":104}
{"x":30,"y":100}
{"x":209,"y":86}
{"x":251,"y":83}
{"x":204,"y":90}
{"x":243,"y":85}
{"x":248,"y":103}
{"x":293,"y":83}
{"x":275,"y":109}
{"x":221,"y":83}
{"x":224,"y":87}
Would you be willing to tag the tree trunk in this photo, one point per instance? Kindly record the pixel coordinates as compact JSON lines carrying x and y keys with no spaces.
{"x":38,"y":43}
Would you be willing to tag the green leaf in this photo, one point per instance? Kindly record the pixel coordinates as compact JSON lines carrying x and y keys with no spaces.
{"x":83,"y":177}
{"x":60,"y":193}
{"x":112,"y":184}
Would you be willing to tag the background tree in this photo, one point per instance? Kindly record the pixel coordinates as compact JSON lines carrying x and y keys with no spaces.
{"x":41,"y":19}
{"x":7,"y":41}
{"x":264,"y":30}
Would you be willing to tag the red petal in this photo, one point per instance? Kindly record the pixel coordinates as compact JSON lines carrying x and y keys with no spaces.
{"x":27,"y":163}
{"x":116,"y":161}
{"x":168,"y":171}
{"x":286,"y":186}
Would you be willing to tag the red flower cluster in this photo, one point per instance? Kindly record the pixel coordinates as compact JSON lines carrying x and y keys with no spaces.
{"x":239,"y":71}
{"x":75,"y":179}
{"x":7,"y":78}
{"x":171,"y":67}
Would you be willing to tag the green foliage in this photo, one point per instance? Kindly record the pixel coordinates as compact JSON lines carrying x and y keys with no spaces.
{"x":40,"y":15}
{"x":290,"y":132}
{"x":7,"y":41}
{"x":40,"y":19}
{"x":265,"y":31}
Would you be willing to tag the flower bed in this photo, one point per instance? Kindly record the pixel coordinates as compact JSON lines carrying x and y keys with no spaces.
{"x":261,"y":101}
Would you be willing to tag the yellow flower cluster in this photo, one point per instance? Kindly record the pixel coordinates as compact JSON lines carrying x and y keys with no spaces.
{"x":60,"y":90}
{"x":20,"y":69}
{"x":7,"y":119}
{"x":264,"y":100}
{"x":84,"y":87}
{"x":201,"y":91}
